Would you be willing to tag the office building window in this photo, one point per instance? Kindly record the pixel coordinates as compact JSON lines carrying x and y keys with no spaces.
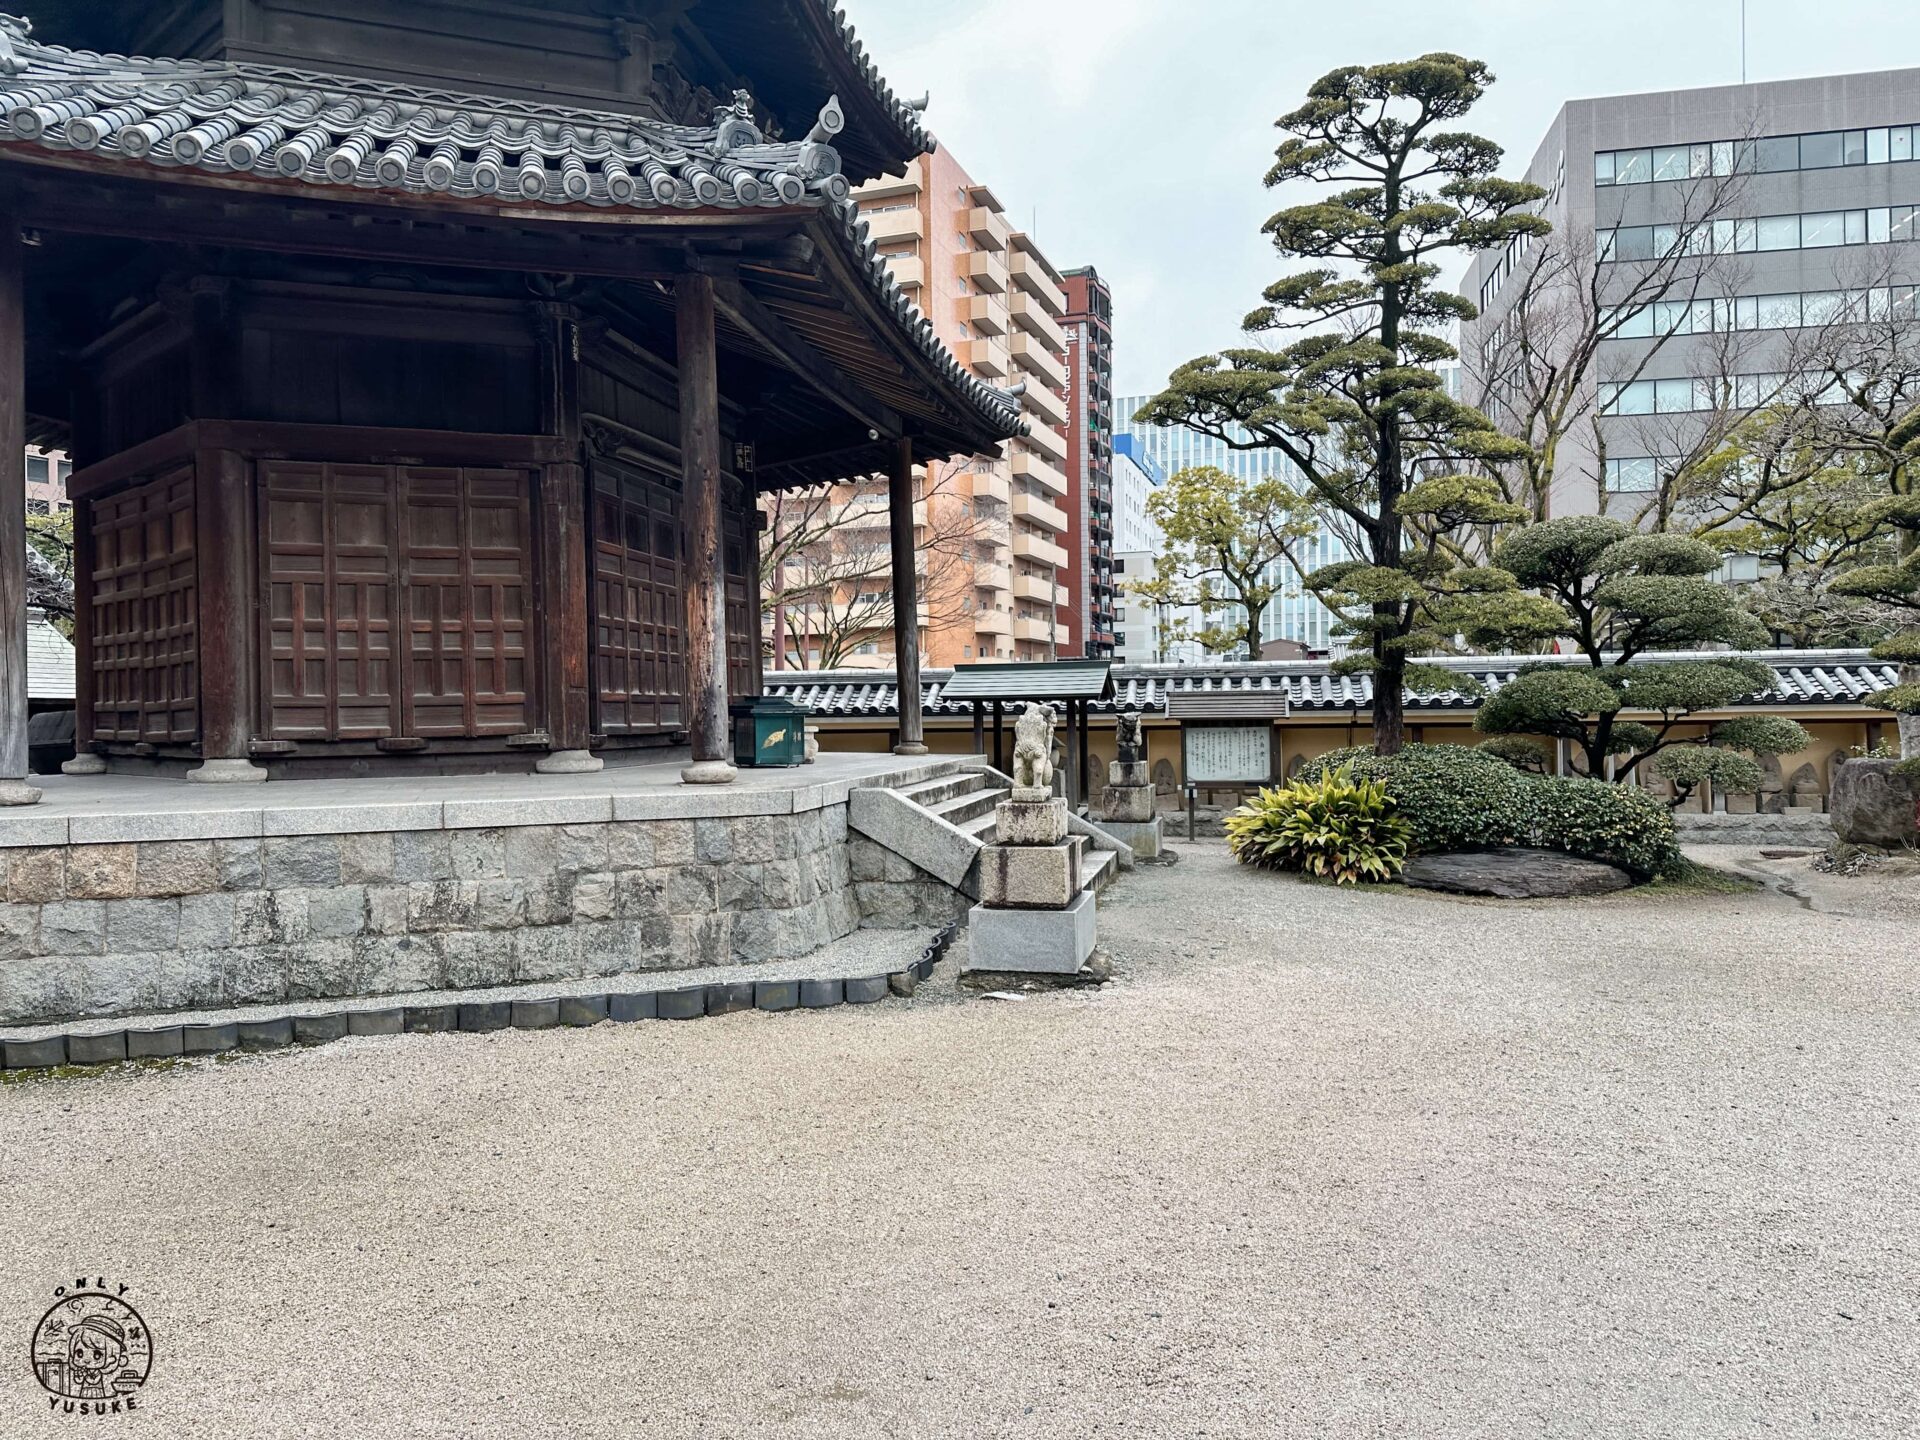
{"x":1817,"y":231}
{"x":1762,"y":312}
{"x":1823,"y":150}
{"x":1633,"y":475}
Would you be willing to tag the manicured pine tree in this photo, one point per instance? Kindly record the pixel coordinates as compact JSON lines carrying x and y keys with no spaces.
{"x":1349,"y":390}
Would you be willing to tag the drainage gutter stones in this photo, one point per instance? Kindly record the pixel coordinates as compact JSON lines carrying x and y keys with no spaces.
{"x":720,"y":997}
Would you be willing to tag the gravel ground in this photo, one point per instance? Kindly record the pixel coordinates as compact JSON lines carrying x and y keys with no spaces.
{"x":1317,"y":1163}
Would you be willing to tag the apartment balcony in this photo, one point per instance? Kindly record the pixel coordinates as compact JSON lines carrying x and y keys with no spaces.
{"x":1043,"y":631}
{"x":993,"y":487}
{"x":985,"y":270}
{"x":984,"y":357}
{"x":1043,"y":402}
{"x":1049,"y":442}
{"x":1030,"y":315}
{"x":1031,"y":276}
{"x":889,"y":187}
{"x":909,"y":271}
{"x":987,"y":315}
{"x":884,"y":227}
{"x":1025,"y":465}
{"x":1039,"y":549}
{"x":992,"y":622}
{"x":1040,"y":588}
{"x":988,"y":575}
{"x":988,"y":228}
{"x":1033,"y":356}
{"x":1032,"y":507}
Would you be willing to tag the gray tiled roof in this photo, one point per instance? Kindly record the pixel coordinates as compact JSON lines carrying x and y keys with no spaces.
{"x":348,"y":132}
{"x":271,"y":123}
{"x":1802,"y":677}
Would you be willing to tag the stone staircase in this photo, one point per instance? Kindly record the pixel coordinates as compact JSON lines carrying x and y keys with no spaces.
{"x":942,"y":823}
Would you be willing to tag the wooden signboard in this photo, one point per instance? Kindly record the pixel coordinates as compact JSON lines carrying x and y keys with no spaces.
{"x":1228,"y":754}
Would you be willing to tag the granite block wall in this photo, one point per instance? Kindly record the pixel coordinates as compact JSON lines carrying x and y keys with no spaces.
{"x":111,"y":929}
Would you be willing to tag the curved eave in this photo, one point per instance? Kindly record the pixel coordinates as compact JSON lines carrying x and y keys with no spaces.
{"x":762,"y":39}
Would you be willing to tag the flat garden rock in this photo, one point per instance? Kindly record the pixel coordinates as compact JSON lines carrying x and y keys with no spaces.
{"x":1514,"y":874}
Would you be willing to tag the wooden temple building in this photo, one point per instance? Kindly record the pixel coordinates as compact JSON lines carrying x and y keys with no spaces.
{"x":421,"y":361}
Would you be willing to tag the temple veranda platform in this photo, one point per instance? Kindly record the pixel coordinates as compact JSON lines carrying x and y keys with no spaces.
{"x":131,"y":895}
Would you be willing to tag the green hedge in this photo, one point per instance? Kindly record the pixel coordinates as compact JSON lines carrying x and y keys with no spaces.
{"x":1456,"y":797}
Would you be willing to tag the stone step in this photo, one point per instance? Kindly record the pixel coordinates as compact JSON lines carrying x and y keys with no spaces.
{"x":963,"y":808}
{"x":929,"y":794}
{"x":983,"y":828}
{"x":1097,"y":870}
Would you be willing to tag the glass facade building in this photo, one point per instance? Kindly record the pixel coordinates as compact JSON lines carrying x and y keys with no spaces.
{"x":1295,"y":614}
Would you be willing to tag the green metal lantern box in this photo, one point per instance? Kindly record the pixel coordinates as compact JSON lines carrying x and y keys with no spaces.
{"x":769,"y":731}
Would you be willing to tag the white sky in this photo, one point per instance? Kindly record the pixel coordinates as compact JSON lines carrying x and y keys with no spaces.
{"x":1133,"y":134}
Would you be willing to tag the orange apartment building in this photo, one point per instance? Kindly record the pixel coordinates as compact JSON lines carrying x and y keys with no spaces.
{"x":997,"y":592}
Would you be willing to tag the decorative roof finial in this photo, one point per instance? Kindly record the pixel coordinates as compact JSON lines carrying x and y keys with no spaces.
{"x":733,"y":125}
{"x":14,"y":30}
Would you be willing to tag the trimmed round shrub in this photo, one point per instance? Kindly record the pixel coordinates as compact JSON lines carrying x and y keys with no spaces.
{"x":1453,"y":796}
{"x":1337,"y":827}
{"x":1620,"y":824}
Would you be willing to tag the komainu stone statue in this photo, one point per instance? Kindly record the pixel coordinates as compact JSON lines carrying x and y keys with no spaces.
{"x":1033,"y":748}
{"x":1127,"y":737}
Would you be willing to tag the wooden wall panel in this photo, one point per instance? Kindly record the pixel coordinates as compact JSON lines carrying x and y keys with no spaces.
{"x":639,"y":657}
{"x":397,"y":601}
{"x":144,"y":613}
{"x":741,"y":541}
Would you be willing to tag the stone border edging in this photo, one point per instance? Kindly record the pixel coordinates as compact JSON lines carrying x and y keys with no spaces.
{"x":535,"y":1012}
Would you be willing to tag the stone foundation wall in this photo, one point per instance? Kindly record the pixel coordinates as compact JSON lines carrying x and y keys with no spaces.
{"x":110,"y":929}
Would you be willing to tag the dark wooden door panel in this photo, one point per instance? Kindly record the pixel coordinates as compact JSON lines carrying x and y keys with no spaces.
{"x":330,"y":581}
{"x":397,"y":601}
{"x":145,"y":613}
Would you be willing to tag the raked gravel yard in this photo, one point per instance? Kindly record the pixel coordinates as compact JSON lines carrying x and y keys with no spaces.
{"x":1316,"y":1163}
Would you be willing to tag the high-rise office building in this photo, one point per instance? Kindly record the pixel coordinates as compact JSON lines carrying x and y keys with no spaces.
{"x":1793,"y":204}
{"x":991,"y":530}
{"x":1090,"y":540}
{"x":1295,"y":613}
{"x":1137,"y":623}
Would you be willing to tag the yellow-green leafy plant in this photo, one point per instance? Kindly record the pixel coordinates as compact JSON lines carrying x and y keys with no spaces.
{"x":1334,"y":826}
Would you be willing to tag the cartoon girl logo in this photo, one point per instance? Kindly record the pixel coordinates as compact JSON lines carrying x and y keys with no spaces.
{"x":92,"y":1348}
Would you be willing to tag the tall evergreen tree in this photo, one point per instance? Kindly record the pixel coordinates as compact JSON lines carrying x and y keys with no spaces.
{"x":1350,"y":394}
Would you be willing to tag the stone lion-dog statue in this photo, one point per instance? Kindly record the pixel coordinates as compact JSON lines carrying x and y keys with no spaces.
{"x":1033,"y":748}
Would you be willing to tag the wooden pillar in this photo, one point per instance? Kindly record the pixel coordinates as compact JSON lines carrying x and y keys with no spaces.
{"x":85,"y":761}
{"x":561,"y":511}
{"x":906,"y":601}
{"x":979,"y":728}
{"x":14,"y":789}
{"x":999,"y":733}
{"x":1086,"y":763}
{"x":223,"y":543}
{"x":1075,"y":768}
{"x":704,"y":574}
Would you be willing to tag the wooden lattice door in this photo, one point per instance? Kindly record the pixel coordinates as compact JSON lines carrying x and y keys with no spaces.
{"x":145,"y":651}
{"x":639,"y":652}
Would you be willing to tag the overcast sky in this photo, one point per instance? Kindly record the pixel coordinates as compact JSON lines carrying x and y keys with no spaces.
{"x":1132,"y":134}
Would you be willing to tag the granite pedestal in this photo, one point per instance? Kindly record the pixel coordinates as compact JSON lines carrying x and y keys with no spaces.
{"x":1031,"y":942}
